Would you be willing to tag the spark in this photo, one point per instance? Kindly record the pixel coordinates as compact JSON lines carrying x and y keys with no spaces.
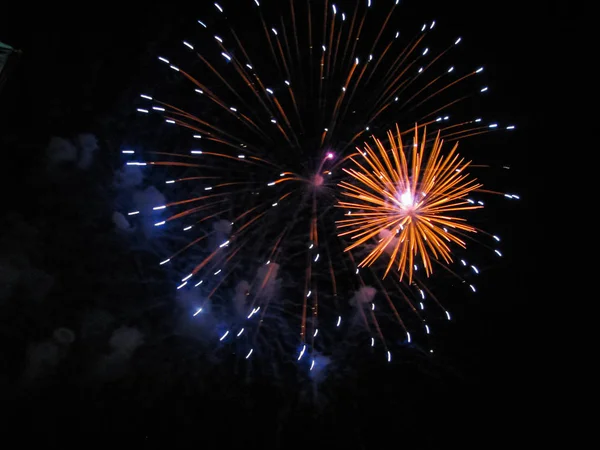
{"x":249,"y":353}
{"x":224,"y":336}
{"x":339,"y":321}
{"x":197,"y":312}
{"x":133,"y":213}
{"x":181,"y":285}
{"x":302,"y":352}
{"x":240,"y":332}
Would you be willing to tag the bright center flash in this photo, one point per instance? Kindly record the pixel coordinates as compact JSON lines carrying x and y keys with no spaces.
{"x":407,"y":202}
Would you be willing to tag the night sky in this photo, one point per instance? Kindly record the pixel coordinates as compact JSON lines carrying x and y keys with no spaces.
{"x":81,"y":71}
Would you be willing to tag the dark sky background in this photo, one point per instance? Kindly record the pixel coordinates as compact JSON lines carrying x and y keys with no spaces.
{"x":81,"y":71}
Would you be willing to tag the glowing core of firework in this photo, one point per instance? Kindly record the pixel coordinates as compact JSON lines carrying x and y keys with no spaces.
{"x":407,"y":200}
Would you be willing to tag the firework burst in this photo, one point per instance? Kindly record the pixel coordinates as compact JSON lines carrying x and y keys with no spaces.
{"x":266,"y":122}
{"x":411,"y":204}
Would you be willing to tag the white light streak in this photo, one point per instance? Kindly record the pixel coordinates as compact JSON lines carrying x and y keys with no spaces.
{"x":317,"y":257}
{"x":156,"y":208}
{"x":165,"y":261}
{"x":188,"y":277}
{"x":217,"y":272}
{"x":302,"y":352}
{"x":147,"y":97}
{"x":219,"y":7}
{"x":224,"y":244}
{"x":475,"y":269}
{"x":175,"y":68}
{"x":142,"y":110}
{"x":197,"y":312}
{"x":339,"y":321}
{"x":133,"y":213}
{"x":372,"y":342}
{"x":226,"y":56}
{"x":187,"y":44}
{"x":498,"y":252}
{"x":159,"y":224}
{"x":308,"y":295}
{"x":472,"y":288}
{"x":240,"y":333}
{"x":249,"y":353}
{"x":224,"y":336}
{"x":316,"y":332}
{"x":312,"y":364}
{"x":457,"y":41}
{"x":165,"y":60}
{"x":196,"y":152}
{"x":181,"y":285}
{"x":202,"y":23}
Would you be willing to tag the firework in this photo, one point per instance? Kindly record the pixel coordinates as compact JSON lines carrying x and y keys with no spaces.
{"x":274,"y":102}
{"x":409,"y":205}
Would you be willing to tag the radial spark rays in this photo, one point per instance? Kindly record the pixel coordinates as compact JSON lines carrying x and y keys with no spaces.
{"x":406,"y":201}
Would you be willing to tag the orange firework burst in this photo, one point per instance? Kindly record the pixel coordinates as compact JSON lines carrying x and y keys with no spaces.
{"x":409,"y":202}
